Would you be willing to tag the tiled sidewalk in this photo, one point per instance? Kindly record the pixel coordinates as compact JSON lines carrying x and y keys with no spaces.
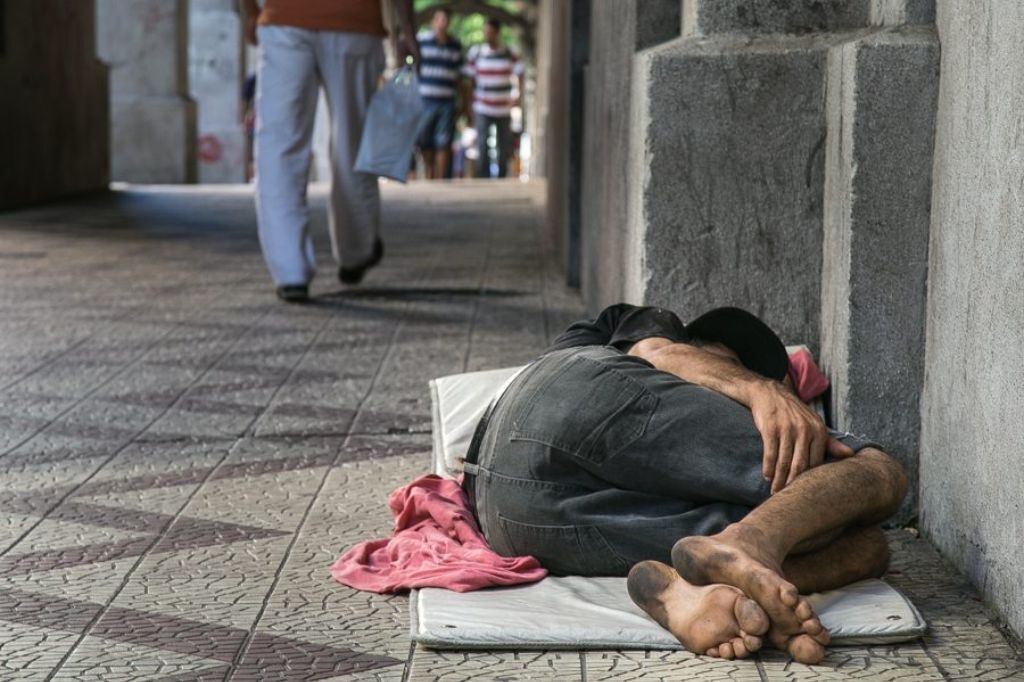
{"x":182,"y":457}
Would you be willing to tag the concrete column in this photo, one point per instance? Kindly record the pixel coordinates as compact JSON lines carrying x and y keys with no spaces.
{"x":618,"y":29}
{"x":215,"y":76}
{"x":708,"y":17}
{"x":726,"y":180}
{"x":53,"y":122}
{"x":152,"y":118}
{"x":882,"y":91}
{"x":902,"y":12}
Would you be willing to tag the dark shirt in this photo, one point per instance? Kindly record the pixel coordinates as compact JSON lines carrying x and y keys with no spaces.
{"x":439,"y":67}
{"x":620,"y":326}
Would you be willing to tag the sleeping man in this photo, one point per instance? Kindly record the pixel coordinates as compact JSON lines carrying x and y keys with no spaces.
{"x":680,"y":456}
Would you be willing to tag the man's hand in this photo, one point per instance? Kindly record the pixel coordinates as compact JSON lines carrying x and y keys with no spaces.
{"x":795,"y":438}
{"x":251,"y":16}
{"x":409,"y":47}
{"x":407,"y":43}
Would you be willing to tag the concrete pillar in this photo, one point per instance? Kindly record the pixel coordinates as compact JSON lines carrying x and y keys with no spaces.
{"x":618,"y":29}
{"x":902,"y":12}
{"x":53,"y":122}
{"x":551,"y":158}
{"x":727,"y":183}
{"x":216,"y":76}
{"x":882,"y":91}
{"x":152,"y":118}
{"x":709,"y":17}
{"x":727,"y":177}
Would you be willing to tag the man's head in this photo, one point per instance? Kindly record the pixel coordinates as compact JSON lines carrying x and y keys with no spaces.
{"x":735,"y":333}
{"x":492,"y":32}
{"x":440,"y":21}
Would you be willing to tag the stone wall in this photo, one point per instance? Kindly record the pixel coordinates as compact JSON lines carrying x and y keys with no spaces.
{"x":53,"y":122}
{"x":972,"y":481}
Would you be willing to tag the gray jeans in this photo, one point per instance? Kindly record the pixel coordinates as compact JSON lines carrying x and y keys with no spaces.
{"x":594,"y":460}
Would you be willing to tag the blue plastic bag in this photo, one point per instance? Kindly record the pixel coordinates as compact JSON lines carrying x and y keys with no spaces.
{"x":391,"y":127}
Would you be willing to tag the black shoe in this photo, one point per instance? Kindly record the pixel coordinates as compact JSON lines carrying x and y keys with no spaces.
{"x":354,"y":275}
{"x":293,"y":293}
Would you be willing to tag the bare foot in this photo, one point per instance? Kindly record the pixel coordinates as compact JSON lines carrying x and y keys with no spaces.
{"x":733,"y":557}
{"x":715,"y":620}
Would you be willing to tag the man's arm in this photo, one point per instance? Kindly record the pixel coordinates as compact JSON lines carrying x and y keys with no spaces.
{"x":407,"y":25}
{"x":795,"y":438}
{"x":250,"y":17}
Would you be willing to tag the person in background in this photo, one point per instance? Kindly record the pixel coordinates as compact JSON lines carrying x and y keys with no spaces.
{"x":495,"y":70}
{"x":306,"y":45}
{"x":249,"y":122}
{"x":440,"y":70}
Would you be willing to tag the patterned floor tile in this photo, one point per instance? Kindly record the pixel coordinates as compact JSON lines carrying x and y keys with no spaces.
{"x":183,"y":457}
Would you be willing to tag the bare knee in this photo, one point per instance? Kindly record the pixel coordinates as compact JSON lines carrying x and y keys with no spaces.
{"x":891,"y":477}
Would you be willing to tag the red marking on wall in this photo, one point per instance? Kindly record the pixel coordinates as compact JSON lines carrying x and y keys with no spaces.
{"x":210,"y":149}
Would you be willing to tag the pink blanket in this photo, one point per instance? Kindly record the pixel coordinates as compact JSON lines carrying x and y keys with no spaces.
{"x":436,"y":543}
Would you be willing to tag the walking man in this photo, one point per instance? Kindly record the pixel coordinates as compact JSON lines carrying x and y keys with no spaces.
{"x":495,"y":70}
{"x":306,"y":45}
{"x":439,"y":80}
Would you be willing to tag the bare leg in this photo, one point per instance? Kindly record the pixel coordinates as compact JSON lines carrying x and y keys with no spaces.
{"x":441,"y":157}
{"x":857,"y":554}
{"x":749,"y":554}
{"x":428,"y":163}
{"x":717,"y":620}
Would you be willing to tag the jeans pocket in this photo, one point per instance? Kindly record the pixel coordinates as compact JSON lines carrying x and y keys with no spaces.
{"x":564,"y":550}
{"x":588,"y":410}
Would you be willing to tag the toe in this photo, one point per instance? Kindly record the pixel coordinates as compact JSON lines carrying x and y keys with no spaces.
{"x":811,"y":626}
{"x":725,"y":651}
{"x":752,"y":642}
{"x":739,"y":648}
{"x":803,"y":609}
{"x":789,"y":595}
{"x":751,"y":617}
{"x":713,"y":651}
{"x":823,"y":636}
{"x":803,"y":649}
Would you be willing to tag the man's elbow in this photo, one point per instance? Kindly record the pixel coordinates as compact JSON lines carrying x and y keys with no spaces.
{"x":648,"y":349}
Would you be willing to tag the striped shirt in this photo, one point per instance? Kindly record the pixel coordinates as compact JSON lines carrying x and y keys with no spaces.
{"x":493,"y":71}
{"x":439,"y":66}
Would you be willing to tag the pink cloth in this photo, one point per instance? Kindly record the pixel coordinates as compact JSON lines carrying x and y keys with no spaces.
{"x":808,"y":380}
{"x":436,"y":543}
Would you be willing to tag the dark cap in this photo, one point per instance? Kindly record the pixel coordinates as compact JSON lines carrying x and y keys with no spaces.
{"x":757,"y":346}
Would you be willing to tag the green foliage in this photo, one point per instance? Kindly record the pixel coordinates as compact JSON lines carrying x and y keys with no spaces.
{"x":469,"y":28}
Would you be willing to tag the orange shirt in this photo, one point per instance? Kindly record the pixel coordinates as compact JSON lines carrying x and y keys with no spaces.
{"x":351,"y":16}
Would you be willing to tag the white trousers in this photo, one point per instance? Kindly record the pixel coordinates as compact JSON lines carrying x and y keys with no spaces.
{"x":294,"y":63}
